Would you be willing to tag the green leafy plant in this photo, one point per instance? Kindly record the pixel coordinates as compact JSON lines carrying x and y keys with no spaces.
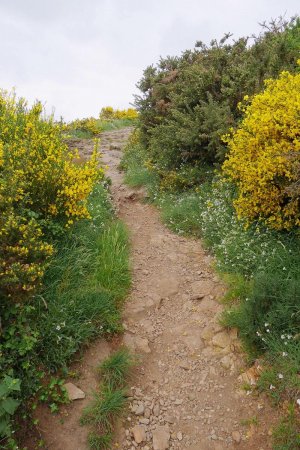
{"x":8,"y":404}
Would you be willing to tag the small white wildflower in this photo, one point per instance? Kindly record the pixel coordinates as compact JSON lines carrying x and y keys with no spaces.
{"x":268,"y":331}
{"x":58,"y":327}
{"x":272,"y":387}
{"x":266,"y":324}
{"x":284,"y":354}
{"x":282,"y":336}
{"x":258,"y":333}
{"x":280,"y":376}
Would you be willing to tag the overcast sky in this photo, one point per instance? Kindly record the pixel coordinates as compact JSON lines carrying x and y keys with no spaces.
{"x":79,"y":55}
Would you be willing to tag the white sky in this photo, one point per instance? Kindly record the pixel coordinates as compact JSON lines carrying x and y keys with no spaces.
{"x":79,"y":55}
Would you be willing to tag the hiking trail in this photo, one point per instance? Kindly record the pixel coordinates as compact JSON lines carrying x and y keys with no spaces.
{"x":187,"y":392}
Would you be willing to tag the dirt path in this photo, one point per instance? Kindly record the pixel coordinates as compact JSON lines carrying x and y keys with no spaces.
{"x":186,"y":393}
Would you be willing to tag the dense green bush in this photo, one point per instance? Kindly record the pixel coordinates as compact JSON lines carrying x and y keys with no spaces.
{"x":187,"y":103}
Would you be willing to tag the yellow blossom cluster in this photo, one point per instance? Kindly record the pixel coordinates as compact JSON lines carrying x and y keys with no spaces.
{"x":109,"y":113}
{"x":24,"y":255}
{"x":263,"y":154}
{"x":41,"y":183}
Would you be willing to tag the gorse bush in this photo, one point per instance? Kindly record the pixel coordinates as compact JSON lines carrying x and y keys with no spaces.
{"x":42,"y":190}
{"x":188,"y":102}
{"x":24,"y":255}
{"x":264,"y":152}
{"x":109,"y":113}
{"x":38,"y":172}
{"x":82,"y":128}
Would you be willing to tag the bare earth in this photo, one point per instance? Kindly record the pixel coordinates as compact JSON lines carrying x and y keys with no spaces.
{"x":186,"y":393}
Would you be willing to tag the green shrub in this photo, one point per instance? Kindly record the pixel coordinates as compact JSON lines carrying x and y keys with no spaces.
{"x":187,"y":103}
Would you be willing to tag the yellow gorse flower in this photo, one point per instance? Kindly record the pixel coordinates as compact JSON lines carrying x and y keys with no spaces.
{"x":264,"y":152}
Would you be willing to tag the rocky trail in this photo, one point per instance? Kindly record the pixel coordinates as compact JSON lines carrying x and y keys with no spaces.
{"x":188,"y":390}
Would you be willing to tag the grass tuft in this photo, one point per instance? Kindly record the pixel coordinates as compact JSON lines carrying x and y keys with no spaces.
{"x":286,"y":435}
{"x":100,"y":442}
{"x":116,"y":369}
{"x":105,"y":408}
{"x":108,"y":404}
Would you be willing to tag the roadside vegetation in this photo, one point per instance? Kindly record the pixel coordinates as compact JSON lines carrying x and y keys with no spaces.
{"x":109,"y":119}
{"x":218,"y":148}
{"x":64,"y":269}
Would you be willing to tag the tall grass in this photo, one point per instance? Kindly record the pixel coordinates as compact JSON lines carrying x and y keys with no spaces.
{"x":85,"y":284}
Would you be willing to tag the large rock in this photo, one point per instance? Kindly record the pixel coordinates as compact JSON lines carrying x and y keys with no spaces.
{"x":161,"y":438}
{"x":74,"y":393}
{"x":221,"y":339}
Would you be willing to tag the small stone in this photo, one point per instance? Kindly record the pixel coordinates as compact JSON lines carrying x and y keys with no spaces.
{"x":147,"y":413}
{"x":139,"y":411}
{"x":226,"y":362}
{"x":139,"y":433}
{"x":131,"y":195}
{"x":74,"y":393}
{"x":170,"y":419}
{"x":201,"y":288}
{"x":179,"y":436}
{"x":156,"y":410}
{"x":145,"y":421}
{"x":161,"y":438}
{"x":208,"y":332}
{"x":142,"y":344}
{"x":184,"y":365}
{"x":236,"y":436}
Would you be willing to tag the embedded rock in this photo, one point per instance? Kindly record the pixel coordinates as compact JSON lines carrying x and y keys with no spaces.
{"x":74,"y":393}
